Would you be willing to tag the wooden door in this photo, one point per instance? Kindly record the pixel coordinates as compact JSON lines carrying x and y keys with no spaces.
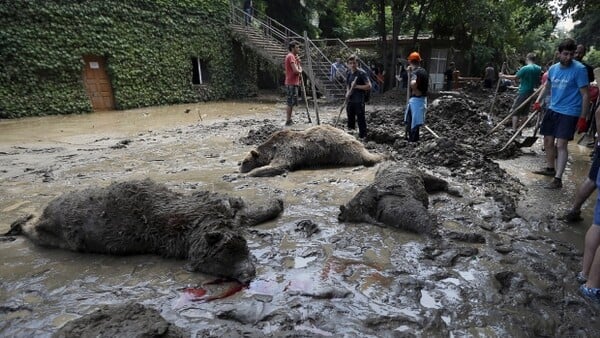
{"x":97,"y":83}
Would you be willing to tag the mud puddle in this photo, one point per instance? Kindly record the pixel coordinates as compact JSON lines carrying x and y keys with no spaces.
{"x":355,"y":280}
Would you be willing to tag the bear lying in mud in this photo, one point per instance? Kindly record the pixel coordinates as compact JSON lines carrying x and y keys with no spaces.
{"x":398,"y":197}
{"x":143,"y":217}
{"x":318,"y":146}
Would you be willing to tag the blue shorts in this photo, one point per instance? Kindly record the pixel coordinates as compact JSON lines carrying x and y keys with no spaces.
{"x":292,"y":95}
{"x":593,"y":174}
{"x":558,"y":125}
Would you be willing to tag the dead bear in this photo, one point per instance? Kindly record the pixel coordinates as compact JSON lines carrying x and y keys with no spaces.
{"x":398,"y":197}
{"x":143,"y":217}
{"x":318,"y":146}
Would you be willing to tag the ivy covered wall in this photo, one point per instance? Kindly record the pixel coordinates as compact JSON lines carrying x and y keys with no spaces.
{"x":148,"y":45}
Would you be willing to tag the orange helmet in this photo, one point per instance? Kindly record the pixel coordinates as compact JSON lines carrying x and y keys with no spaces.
{"x":414,"y":56}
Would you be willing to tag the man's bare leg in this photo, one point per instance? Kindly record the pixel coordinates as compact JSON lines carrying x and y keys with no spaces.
{"x":592,"y":242}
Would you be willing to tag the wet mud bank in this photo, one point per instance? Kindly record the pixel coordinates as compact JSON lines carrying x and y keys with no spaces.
{"x":494,"y":268}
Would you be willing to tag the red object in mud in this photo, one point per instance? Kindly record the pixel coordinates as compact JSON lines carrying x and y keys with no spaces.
{"x":196,"y":292}
{"x":229,"y":292}
{"x":582,"y":125}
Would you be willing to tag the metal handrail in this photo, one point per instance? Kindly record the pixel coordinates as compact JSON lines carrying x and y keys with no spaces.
{"x":271,"y":28}
{"x":347,"y":51}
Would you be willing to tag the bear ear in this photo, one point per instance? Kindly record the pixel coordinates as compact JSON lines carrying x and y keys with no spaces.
{"x":254,"y":153}
{"x":213,"y":238}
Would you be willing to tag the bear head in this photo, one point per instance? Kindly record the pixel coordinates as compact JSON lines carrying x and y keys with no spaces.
{"x":222,"y":253}
{"x":254,"y":159}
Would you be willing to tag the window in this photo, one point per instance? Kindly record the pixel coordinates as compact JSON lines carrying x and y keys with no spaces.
{"x":437,"y":67}
{"x":200,"y":72}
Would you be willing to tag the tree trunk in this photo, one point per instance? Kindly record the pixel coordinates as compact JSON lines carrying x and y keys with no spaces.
{"x":399,"y":10}
{"x":383,"y":34}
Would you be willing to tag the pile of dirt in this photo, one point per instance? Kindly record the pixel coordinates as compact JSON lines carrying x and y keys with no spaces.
{"x":128,"y":320}
{"x":258,"y":136}
{"x":465,"y":150}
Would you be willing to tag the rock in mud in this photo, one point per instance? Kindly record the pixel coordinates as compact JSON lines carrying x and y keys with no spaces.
{"x":143,"y":217}
{"x":398,"y":198}
{"x":130,"y":320}
{"x":308,"y":227}
{"x":319,"y":146}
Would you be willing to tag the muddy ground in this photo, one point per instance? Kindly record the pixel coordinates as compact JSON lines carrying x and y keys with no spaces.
{"x":504,"y":265}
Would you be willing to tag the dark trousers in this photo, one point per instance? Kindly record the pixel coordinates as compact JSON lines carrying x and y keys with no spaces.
{"x":248,"y":16}
{"x":448,"y":85}
{"x":356,"y":113}
{"x":412,"y":135}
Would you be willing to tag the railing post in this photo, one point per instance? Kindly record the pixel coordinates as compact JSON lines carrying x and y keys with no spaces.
{"x":311,"y":76}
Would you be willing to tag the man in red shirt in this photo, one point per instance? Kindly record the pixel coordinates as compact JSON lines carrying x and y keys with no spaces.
{"x":293,"y":69}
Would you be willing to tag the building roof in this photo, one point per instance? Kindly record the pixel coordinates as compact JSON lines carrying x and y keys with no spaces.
{"x":389,"y":37}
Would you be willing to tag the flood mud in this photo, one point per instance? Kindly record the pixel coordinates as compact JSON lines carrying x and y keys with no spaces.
{"x":502,"y":264}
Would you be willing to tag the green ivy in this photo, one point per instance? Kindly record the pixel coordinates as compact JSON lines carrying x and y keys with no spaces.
{"x":148,"y":45}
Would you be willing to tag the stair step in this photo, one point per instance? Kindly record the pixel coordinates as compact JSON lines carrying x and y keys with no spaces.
{"x":275,"y":52}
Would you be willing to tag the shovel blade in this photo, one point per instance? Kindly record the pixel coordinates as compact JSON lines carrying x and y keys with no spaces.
{"x":528,"y":141}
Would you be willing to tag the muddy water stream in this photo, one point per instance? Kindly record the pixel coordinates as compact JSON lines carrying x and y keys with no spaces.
{"x":354,"y":280}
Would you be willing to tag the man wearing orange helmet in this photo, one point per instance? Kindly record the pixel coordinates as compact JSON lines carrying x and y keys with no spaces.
{"x":414,"y":116}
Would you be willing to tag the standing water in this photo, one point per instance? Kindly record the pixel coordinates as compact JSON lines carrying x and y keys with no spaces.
{"x":356,"y":280}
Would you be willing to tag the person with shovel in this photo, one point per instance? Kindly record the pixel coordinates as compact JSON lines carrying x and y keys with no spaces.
{"x":293,"y":69}
{"x":414,"y":116}
{"x":529,"y":78}
{"x":357,"y":84}
{"x":568,"y":86}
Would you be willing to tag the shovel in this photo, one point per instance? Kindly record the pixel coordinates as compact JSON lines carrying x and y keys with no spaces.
{"x":305,"y":98}
{"x":512,"y":112}
{"x":491,"y":113}
{"x":348,"y":92}
{"x":530,"y":140}
{"x":534,"y":114}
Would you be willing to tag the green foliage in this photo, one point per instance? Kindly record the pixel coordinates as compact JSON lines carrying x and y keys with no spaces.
{"x":496,"y":31}
{"x":331,"y":19}
{"x":586,"y":31}
{"x":293,"y":14}
{"x":361,"y":25}
{"x":148,"y":45}
{"x":593,"y":59}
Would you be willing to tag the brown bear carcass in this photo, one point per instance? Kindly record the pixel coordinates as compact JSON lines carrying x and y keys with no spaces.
{"x":143,"y":217}
{"x":398,"y":198}
{"x":319,"y":146}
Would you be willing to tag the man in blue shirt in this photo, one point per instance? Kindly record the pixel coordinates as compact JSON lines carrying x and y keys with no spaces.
{"x":568,"y":86}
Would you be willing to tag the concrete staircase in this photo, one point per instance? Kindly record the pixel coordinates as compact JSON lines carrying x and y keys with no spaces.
{"x":269,"y":39}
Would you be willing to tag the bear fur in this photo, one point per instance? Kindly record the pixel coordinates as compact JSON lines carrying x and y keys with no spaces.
{"x":398,"y":198}
{"x":318,"y":146}
{"x":143,"y":217}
